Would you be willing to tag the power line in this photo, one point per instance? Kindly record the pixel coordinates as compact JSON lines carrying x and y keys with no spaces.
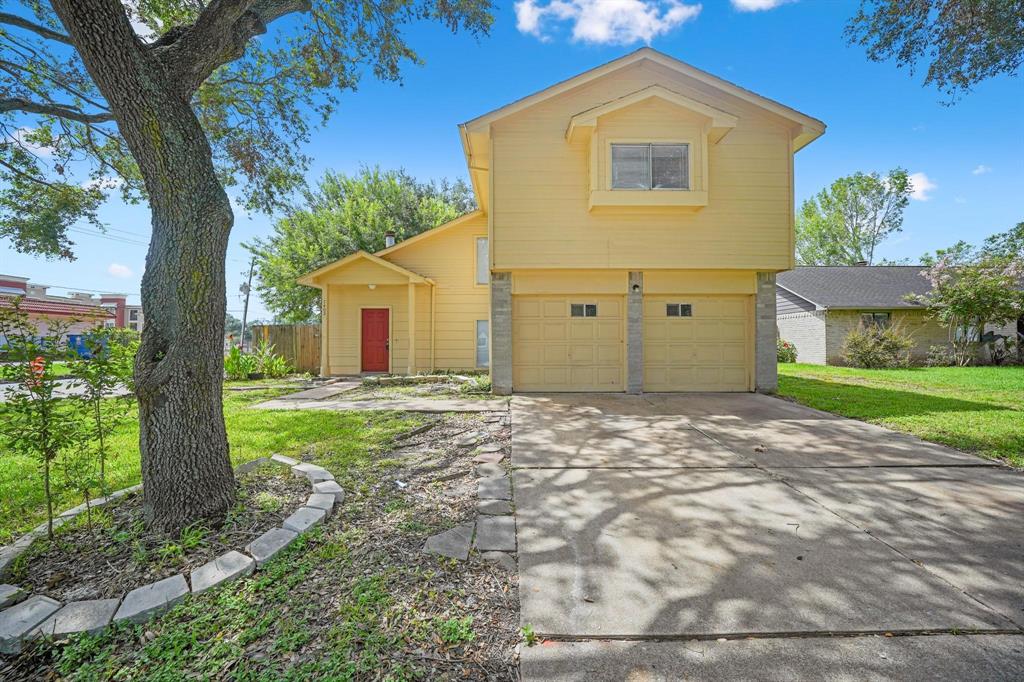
{"x":111,"y":237}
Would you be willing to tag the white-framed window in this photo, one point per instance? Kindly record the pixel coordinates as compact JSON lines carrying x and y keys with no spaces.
{"x":483,"y":262}
{"x":483,"y":343}
{"x":133,"y":315}
{"x":582,"y":310}
{"x":678,"y":310}
{"x":876,"y":319}
{"x":650,"y":166}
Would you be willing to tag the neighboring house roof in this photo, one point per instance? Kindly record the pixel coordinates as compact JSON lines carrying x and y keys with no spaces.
{"x":46,"y":307}
{"x":862,"y":287}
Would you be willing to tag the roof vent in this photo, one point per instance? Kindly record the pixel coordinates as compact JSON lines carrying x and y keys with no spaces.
{"x":861,"y":264}
{"x":389,"y":239}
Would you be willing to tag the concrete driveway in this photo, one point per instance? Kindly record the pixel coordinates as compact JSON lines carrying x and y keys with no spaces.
{"x":645,"y":523}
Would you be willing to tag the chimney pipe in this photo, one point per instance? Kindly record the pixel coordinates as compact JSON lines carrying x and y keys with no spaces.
{"x":389,"y":239}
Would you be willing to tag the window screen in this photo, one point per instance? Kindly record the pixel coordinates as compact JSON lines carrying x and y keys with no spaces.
{"x":650,"y":166}
{"x":483,"y":343}
{"x":631,"y":166}
{"x":483,"y":266}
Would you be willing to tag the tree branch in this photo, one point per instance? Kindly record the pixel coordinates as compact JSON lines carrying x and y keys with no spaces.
{"x":58,"y":110}
{"x":14,"y":20}
{"x":220,"y":35}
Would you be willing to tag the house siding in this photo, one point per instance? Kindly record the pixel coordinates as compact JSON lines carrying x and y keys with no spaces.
{"x":541,"y":186}
{"x":787,"y":303}
{"x":806,"y":330}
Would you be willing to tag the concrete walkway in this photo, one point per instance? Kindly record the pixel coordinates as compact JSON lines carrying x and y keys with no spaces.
{"x":682,"y":517}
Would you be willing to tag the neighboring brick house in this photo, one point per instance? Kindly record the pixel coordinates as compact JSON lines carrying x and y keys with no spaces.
{"x":818,"y":306}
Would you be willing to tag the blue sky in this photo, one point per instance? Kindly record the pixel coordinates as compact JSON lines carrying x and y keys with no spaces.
{"x":971,"y":155}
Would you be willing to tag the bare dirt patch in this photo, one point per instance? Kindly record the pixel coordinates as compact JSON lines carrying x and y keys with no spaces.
{"x":116,"y":554}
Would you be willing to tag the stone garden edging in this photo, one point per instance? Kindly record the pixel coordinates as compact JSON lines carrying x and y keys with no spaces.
{"x":22,"y":618}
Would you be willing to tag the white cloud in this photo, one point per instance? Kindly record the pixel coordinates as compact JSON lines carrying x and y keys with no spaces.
{"x":921,"y":186}
{"x":981,"y":169}
{"x":960,"y":200}
{"x":757,"y":5}
{"x":607,"y":22}
{"x":118,"y":270}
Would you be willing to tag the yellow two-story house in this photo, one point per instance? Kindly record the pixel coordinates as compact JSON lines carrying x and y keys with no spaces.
{"x":631,"y":223}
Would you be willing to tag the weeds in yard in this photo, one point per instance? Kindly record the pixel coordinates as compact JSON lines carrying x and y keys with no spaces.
{"x":455,"y":631}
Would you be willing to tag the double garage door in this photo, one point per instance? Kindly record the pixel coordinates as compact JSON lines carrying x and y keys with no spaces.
{"x":578,"y":343}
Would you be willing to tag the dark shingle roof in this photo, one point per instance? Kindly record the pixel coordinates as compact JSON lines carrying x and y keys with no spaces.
{"x":848,"y":286}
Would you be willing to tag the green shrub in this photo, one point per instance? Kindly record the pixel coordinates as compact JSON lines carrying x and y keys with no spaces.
{"x":785,"y":351}
{"x":875,"y":346}
{"x":940,"y":356}
{"x":238,"y":365}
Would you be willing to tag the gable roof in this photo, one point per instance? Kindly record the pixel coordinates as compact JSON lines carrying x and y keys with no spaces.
{"x":813,"y":128}
{"x":851,"y":286}
{"x":432,"y":232}
{"x":309,"y":279}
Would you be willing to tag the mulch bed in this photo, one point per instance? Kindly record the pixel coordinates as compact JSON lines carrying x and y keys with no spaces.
{"x":117,"y":554}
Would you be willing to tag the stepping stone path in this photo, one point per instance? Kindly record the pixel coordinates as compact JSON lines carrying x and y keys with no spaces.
{"x":270,"y":544}
{"x":489,"y":458}
{"x":496,"y":533}
{"x":10,"y":594}
{"x":17,"y":621}
{"x":453,"y":543}
{"x":494,"y":507}
{"x":498,"y":488}
{"x":144,"y":602}
{"x":488,"y":471}
{"x":222,"y":569}
{"x":495,"y":527}
{"x":304,"y":518}
{"x":80,"y":616}
{"x":21,"y":618}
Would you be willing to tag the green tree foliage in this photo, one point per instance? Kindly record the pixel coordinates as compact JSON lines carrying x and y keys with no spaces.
{"x":963,"y":41}
{"x":345,"y":214}
{"x":844,"y":223}
{"x":61,"y":154}
{"x":973,"y":287}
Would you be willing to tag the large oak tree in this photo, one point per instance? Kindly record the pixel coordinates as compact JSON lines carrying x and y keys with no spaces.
{"x":168,"y":102}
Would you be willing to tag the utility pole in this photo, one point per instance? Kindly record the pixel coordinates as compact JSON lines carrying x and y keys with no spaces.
{"x":245,"y":289}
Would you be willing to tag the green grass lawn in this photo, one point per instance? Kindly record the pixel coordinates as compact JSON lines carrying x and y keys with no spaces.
{"x":340,"y":441}
{"x":976,"y":409}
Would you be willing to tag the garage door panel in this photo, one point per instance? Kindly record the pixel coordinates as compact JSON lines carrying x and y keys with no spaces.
{"x":706,"y":351}
{"x":570,"y":353}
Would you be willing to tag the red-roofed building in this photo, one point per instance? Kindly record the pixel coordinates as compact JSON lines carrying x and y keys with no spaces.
{"x":80,"y":311}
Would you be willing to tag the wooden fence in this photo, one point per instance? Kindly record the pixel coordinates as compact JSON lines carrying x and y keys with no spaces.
{"x":298,"y":343}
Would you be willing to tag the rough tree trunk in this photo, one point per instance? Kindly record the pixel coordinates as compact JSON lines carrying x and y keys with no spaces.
{"x":186,"y":472}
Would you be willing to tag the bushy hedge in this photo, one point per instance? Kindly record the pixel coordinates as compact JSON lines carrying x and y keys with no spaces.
{"x":875,"y":346}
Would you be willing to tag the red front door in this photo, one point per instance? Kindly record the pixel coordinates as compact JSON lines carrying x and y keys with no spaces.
{"x":375,"y":340}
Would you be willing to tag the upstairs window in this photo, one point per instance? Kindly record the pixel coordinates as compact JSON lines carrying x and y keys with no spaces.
{"x":650,"y":166}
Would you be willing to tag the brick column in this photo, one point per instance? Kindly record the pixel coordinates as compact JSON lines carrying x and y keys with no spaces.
{"x":766,"y":376}
{"x":501,"y":333}
{"x":635,"y":333}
